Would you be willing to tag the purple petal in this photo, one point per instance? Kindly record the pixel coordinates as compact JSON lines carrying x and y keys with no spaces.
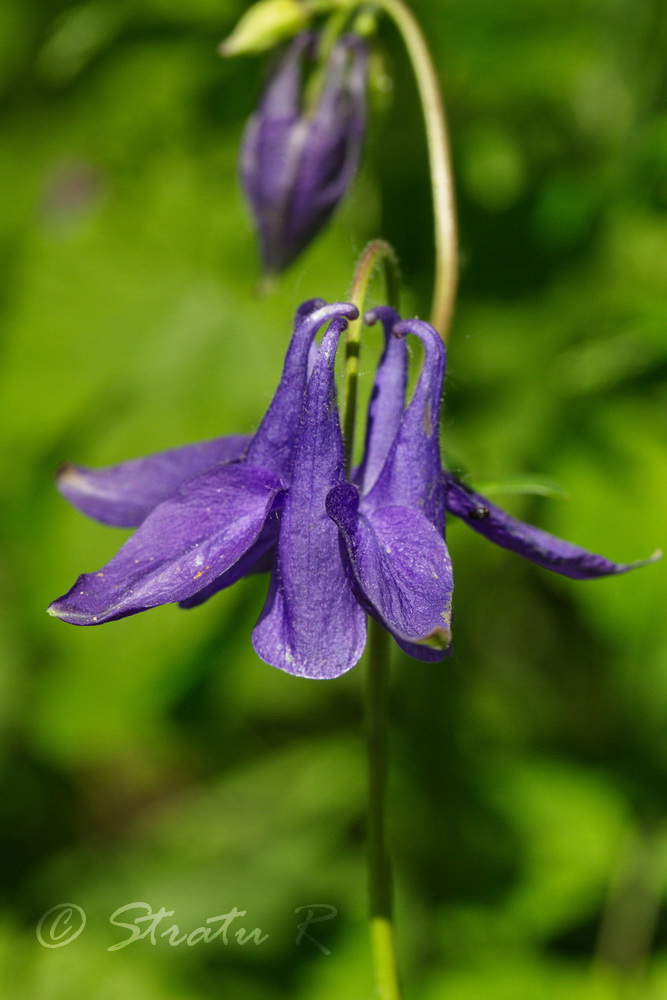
{"x":401,"y":565}
{"x":531,"y":543}
{"x":311,"y":624}
{"x":387,"y":401}
{"x":270,"y":150}
{"x":296,"y":162}
{"x":331,"y":147}
{"x":426,"y":654}
{"x":271,"y":447}
{"x":412,"y":476}
{"x":306,"y":308}
{"x":186,"y":543}
{"x":123,"y":495}
{"x":258,"y":559}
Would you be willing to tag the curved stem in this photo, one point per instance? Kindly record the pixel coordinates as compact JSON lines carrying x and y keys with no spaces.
{"x":377,"y":253}
{"x":385,"y":963}
{"x":446,"y":252}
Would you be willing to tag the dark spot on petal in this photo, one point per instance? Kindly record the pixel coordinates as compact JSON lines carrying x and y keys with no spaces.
{"x":479,"y":513}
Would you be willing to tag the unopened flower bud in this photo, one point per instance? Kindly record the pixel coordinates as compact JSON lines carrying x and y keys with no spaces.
{"x":265,"y":24}
{"x":297,"y":162}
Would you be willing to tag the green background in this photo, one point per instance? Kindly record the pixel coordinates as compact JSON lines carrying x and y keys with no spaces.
{"x":157,"y":759}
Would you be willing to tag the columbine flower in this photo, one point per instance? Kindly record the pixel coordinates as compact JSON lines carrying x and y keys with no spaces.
{"x":296,"y":162}
{"x":210,"y":513}
{"x":378,"y":546}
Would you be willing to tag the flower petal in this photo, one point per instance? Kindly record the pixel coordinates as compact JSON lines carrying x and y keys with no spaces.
{"x":270,"y":152}
{"x":532,"y":543}
{"x":332,"y":143}
{"x":387,"y":401}
{"x":271,"y":447}
{"x":186,"y":543}
{"x":297,"y":161}
{"x":311,"y":624}
{"x":258,"y":559}
{"x":123,"y":495}
{"x":411,"y":475}
{"x":427,"y":654}
{"x":401,"y":565}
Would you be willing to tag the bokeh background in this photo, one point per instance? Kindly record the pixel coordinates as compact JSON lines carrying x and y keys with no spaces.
{"x":157,"y":759}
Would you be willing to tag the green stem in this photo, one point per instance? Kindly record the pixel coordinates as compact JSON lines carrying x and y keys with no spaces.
{"x":442,"y":184}
{"x":385,"y":967}
{"x":377,"y":253}
{"x":380,"y":881}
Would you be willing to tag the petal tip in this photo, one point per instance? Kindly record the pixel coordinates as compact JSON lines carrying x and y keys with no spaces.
{"x":653,"y":558}
{"x":66,"y":472}
{"x":57,"y":609}
{"x":440,"y":639}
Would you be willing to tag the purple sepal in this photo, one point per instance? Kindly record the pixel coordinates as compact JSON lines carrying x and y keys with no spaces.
{"x":296,"y":163}
{"x":184,"y":544}
{"x":532,"y":543}
{"x":123,"y":495}
{"x":258,"y":559}
{"x":311,"y":624}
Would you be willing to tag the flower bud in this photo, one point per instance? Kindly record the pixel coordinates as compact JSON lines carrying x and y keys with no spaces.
{"x":265,"y":24}
{"x":297,"y":162}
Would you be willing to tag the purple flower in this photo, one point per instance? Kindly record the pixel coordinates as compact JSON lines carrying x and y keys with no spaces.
{"x":296,"y":162}
{"x":376,"y":545}
{"x":208,"y":514}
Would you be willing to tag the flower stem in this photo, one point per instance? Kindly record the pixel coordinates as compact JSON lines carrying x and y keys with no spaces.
{"x":376,"y":253}
{"x":385,"y":967}
{"x":442,"y":184}
{"x":379,"y":866}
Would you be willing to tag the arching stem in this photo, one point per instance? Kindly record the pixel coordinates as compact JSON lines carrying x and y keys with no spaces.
{"x":442,"y":185}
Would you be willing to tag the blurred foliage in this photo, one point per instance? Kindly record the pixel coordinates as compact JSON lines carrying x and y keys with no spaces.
{"x":157,"y":759}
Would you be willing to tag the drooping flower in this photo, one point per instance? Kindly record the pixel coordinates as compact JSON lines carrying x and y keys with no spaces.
{"x":297,"y":162}
{"x":343,"y":550}
{"x":210,"y":513}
